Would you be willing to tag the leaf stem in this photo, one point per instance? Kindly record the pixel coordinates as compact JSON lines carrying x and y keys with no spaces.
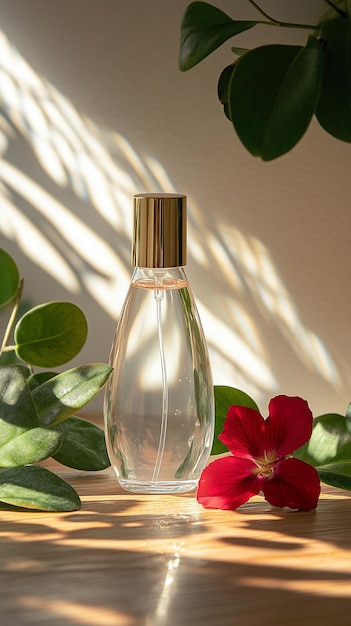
{"x":273,"y":22}
{"x":271,"y":19}
{"x":11,"y":322}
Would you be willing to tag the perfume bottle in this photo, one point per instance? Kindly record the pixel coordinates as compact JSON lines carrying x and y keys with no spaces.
{"x":159,"y":405}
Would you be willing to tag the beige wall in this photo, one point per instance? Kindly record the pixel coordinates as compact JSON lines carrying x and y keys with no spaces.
{"x":95,"y":110}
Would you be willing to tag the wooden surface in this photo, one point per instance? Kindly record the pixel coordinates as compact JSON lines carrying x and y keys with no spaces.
{"x":127,"y":560}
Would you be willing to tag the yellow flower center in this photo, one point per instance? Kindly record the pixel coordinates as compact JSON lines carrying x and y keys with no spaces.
{"x":265,"y":465}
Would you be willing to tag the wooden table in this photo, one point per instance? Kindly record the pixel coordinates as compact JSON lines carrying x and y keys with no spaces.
{"x":127,"y":560}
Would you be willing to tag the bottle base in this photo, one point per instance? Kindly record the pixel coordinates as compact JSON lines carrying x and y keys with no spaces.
{"x":159,"y":487}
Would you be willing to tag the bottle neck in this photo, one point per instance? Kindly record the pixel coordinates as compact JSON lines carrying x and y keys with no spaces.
{"x":159,"y":278}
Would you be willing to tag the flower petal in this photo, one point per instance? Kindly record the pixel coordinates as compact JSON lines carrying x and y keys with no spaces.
{"x":227,"y":483}
{"x":295,"y":484}
{"x":242,"y":432}
{"x":289,"y":425}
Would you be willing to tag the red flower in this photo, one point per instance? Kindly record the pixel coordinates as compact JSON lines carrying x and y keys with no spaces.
{"x":262,"y":460}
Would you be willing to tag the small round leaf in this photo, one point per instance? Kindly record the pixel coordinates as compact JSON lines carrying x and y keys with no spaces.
{"x":17,"y":411}
{"x":59,"y":397}
{"x":83,"y":447}
{"x":336,"y":474}
{"x":330,"y":441}
{"x":32,"y":446}
{"x":348,"y":418}
{"x":273,"y":94}
{"x":203,"y":29}
{"x":224,"y":398}
{"x":223,"y":86}
{"x":9,"y":278}
{"x":35,"y":487}
{"x":51,"y":334}
{"x":334,"y":106}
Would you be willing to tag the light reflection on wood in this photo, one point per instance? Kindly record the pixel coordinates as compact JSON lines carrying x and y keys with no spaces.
{"x":149,"y":560}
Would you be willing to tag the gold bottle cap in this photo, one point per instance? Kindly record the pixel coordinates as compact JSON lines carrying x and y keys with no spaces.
{"x":159,"y":230}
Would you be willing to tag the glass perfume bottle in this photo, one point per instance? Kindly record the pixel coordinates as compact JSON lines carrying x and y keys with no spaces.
{"x":159,"y":406}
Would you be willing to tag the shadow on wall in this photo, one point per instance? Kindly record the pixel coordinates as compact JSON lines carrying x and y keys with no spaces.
{"x":54,"y":158}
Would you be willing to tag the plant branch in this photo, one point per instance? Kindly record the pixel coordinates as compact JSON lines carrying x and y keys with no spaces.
{"x":273,"y":22}
{"x":271,"y":19}
{"x":336,"y":8}
{"x":12,"y":319}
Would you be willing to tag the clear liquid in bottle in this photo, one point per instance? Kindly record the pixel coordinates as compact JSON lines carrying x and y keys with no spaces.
{"x":159,"y":407}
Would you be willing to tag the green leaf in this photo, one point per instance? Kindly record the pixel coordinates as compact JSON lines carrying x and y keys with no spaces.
{"x":51,"y":334}
{"x":336,"y":474}
{"x":273,"y":94}
{"x":63,"y":395}
{"x":83,"y":446}
{"x":224,"y":398}
{"x":37,"y":488}
{"x":330,"y":442}
{"x":17,"y":411}
{"x":9,"y":278}
{"x":30,"y":447}
{"x":334,"y":106}
{"x":223,"y":88}
{"x":35,"y":380}
{"x":203,"y":29}
{"x":189,"y":459}
{"x":348,"y":418}
{"x":239,"y":51}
